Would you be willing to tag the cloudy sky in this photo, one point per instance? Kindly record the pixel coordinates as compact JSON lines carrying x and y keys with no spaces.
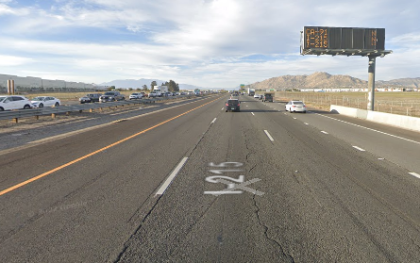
{"x":207,"y":43}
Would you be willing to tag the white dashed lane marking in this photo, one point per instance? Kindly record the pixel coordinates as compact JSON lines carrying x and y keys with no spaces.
{"x":269,"y":136}
{"x":415,"y":174}
{"x":358,"y":148}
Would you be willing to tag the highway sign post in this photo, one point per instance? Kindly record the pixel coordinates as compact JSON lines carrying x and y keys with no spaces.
{"x":347,"y":41}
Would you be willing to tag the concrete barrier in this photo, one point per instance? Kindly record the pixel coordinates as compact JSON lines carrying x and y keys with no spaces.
{"x":401,"y":121}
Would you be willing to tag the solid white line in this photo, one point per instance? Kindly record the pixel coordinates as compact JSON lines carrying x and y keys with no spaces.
{"x":253,"y":113}
{"x":269,"y":136}
{"x":294,"y":118}
{"x":306,"y":123}
{"x":213,"y":121}
{"x":357,"y":125}
{"x":223,"y":108}
{"x":358,"y":148}
{"x":324,"y":132}
{"x":171,"y":177}
{"x":415,"y":174}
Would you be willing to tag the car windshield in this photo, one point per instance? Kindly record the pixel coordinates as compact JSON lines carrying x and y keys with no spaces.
{"x":38,"y":99}
{"x":2,"y":98}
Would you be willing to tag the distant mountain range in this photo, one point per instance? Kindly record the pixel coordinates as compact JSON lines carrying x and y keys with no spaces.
{"x":323,"y":80}
{"x":317,"y":80}
{"x":139,"y":83}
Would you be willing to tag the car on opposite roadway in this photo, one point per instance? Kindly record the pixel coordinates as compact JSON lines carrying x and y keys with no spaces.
{"x":90,"y":98}
{"x":152,"y":95}
{"x":111,"y":96}
{"x":296,"y":106}
{"x":136,"y":96}
{"x":45,"y":101}
{"x":258,"y":96}
{"x":14,"y":102}
{"x":233,"y":105}
{"x":267,"y":97}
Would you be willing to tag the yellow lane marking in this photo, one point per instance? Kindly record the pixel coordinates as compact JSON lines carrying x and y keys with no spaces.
{"x":96,"y":152}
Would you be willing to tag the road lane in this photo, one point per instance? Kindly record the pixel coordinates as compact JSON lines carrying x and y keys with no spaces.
{"x":391,"y":143}
{"x":86,"y":211}
{"x":319,"y":199}
{"x":323,"y":201}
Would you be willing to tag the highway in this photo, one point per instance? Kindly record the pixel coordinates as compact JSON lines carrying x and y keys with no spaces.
{"x":193,"y":183}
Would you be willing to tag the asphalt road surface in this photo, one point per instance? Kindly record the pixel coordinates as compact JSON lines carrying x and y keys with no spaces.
{"x":193,"y":183}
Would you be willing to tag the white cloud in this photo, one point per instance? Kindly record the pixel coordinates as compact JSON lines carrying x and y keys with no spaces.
{"x":6,"y":61}
{"x":197,"y":40}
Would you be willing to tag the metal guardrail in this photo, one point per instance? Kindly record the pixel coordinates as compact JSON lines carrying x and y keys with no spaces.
{"x":15,"y":115}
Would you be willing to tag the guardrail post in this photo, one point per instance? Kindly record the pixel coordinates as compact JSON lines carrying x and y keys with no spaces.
{"x":15,"y":120}
{"x":36,"y":117}
{"x":53,"y":115}
{"x":90,"y":110}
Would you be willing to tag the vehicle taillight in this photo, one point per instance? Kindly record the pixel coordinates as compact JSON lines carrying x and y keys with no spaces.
{"x":239,"y":104}
{"x":227,"y":104}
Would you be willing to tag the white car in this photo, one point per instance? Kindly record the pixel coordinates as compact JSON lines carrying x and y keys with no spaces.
{"x":257,"y":96}
{"x":14,"y":102}
{"x":135,"y":96}
{"x":296,"y":106}
{"x":152,"y":94}
{"x":45,"y":101}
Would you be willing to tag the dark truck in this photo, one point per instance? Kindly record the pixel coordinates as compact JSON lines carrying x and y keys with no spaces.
{"x":267,"y":97}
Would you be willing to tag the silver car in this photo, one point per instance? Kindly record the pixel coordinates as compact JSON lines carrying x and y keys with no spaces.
{"x":45,"y":101}
{"x":296,"y":106}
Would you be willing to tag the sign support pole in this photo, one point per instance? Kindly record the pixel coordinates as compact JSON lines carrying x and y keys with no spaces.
{"x":371,"y":83}
{"x":10,"y":87}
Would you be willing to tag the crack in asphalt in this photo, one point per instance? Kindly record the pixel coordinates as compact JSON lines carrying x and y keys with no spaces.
{"x":287,"y":257}
{"x":127,"y":243}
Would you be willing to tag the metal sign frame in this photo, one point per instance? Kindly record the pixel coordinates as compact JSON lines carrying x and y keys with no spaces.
{"x":347,"y":41}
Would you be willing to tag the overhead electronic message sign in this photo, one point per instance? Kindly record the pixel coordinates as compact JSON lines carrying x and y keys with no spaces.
{"x":347,"y":41}
{"x":357,"y":41}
